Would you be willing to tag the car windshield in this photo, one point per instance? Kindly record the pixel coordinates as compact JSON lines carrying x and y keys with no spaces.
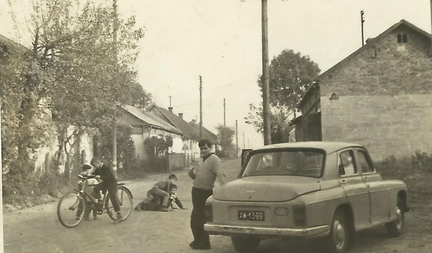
{"x":304,"y":163}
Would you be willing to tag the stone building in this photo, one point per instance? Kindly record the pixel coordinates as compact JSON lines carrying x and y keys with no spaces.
{"x":379,"y":96}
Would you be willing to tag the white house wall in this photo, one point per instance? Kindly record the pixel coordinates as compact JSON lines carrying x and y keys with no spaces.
{"x":44,"y":155}
{"x":139,"y":139}
{"x":177,"y":144}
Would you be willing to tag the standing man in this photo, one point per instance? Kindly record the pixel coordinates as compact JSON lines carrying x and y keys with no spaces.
{"x":204,"y":178}
{"x":109,"y":183}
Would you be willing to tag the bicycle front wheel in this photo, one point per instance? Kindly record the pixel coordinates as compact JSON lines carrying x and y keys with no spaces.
{"x":70,"y":209}
{"x":124,"y":197}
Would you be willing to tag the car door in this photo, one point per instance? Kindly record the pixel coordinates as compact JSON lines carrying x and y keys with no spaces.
{"x":355,"y":188}
{"x":378,"y":193}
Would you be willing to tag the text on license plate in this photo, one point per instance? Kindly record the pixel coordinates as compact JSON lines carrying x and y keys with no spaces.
{"x":251,"y":215}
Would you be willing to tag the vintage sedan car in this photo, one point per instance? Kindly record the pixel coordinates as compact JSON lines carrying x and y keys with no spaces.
{"x":306,"y":190}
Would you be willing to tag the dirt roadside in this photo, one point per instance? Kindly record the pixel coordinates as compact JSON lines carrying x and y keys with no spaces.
{"x":37,"y":229}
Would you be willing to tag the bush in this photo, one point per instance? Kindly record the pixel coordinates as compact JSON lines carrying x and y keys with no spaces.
{"x":405,"y":166}
{"x":414,"y":170}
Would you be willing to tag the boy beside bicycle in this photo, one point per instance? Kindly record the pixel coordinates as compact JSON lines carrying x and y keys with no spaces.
{"x":104,"y":180}
{"x":161,"y":196}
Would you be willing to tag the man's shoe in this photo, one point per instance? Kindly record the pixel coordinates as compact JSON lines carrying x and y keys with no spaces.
{"x":192,"y":244}
{"x":118,"y":219}
{"x":201,"y":245}
{"x":164,"y":209}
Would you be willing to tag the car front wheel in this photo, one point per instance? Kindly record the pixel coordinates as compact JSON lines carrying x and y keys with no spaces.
{"x":243,"y":244}
{"x":395,"y":228}
{"x":340,"y":234}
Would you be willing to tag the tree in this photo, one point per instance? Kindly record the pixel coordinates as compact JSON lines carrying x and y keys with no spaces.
{"x":74,"y":75}
{"x":126,"y":153}
{"x":85,"y":73}
{"x":23,"y":127}
{"x":291,"y":74}
{"x":226,"y":136}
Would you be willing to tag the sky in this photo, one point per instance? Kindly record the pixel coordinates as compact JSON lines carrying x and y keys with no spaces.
{"x":220,"y":40}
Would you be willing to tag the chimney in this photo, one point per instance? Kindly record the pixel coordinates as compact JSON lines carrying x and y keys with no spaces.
{"x":170,"y":109}
{"x":181,"y":115}
{"x":193,"y":121}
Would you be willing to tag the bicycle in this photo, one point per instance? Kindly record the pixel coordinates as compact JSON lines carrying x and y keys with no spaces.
{"x":74,"y":205}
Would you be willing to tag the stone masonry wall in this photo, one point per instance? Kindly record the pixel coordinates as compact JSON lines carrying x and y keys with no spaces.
{"x":383,"y":70}
{"x":384,"y":97}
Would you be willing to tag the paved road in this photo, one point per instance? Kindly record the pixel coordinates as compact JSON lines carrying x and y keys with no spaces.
{"x":38,"y":230}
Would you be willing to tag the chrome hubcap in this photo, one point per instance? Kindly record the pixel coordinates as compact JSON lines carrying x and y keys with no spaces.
{"x":338,"y":234}
{"x":398,"y":218}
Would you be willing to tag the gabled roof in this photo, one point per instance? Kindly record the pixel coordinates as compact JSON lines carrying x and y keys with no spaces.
{"x":10,"y":43}
{"x":207,"y":134}
{"x":370,"y":44}
{"x":149,"y":119}
{"x":188,"y":131}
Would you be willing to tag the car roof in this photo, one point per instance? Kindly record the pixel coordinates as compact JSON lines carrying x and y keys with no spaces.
{"x":327,"y":146}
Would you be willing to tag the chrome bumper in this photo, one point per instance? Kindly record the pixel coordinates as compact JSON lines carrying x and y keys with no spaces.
{"x":215,"y":229}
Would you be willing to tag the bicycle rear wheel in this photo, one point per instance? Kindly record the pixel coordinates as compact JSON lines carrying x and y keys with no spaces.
{"x":70,"y":209}
{"x":124,"y":198}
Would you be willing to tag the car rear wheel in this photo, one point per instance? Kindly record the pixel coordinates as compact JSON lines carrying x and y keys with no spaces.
{"x":341,"y":235}
{"x":243,"y":244}
{"x":395,"y":228}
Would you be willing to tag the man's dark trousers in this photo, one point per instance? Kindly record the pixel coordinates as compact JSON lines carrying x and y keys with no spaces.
{"x":199,"y":198}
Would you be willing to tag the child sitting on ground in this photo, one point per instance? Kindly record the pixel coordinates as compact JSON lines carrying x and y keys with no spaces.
{"x":173,"y":197}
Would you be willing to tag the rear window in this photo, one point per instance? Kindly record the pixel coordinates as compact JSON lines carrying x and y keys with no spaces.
{"x":306,"y":163}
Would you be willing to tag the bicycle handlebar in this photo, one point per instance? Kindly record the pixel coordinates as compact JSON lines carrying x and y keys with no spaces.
{"x":87,"y":176}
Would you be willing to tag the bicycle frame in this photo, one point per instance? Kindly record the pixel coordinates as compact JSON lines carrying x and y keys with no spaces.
{"x":70,"y":214}
{"x":100,"y":207}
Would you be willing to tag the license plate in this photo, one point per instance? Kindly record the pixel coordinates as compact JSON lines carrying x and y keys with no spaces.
{"x":251,"y":215}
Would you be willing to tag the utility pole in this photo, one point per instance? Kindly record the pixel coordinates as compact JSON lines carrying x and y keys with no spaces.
{"x":225,"y":136}
{"x":201,"y":117}
{"x":265,"y":70}
{"x":115,"y":26}
{"x":362,"y":20}
{"x":237,"y":139}
{"x":430,"y":50}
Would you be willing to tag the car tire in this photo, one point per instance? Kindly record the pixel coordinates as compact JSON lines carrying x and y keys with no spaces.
{"x":341,"y":235}
{"x":244,"y":244}
{"x":396,"y":227}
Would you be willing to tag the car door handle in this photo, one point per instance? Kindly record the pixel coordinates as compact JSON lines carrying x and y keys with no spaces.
{"x":343,"y":181}
{"x":366,"y":178}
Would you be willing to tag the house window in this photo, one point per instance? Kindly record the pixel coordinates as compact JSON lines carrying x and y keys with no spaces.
{"x":402,"y":38}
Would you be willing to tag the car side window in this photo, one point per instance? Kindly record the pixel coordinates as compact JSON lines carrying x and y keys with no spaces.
{"x":346,"y":163}
{"x":364,"y":162}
